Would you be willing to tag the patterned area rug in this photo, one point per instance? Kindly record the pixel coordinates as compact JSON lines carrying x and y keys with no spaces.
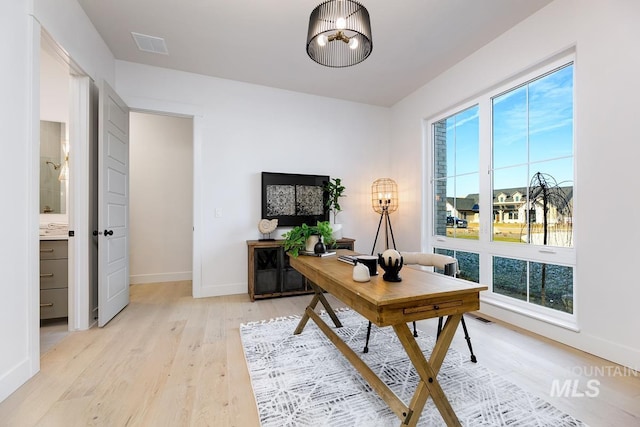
{"x":303,"y":380}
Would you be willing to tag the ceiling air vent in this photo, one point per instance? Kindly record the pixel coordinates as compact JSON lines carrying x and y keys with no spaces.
{"x":150,"y":44}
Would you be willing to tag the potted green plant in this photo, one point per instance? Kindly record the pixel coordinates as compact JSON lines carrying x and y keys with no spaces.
{"x":335,"y":190}
{"x":296,"y":239}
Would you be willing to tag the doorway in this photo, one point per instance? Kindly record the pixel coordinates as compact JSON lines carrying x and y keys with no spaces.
{"x":161,"y":197}
{"x":54,"y":212}
{"x":69,"y":96}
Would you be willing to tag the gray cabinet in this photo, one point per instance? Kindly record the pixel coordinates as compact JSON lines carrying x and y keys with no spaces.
{"x":54,"y":279}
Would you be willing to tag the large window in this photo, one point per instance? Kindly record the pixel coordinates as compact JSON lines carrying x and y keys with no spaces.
{"x":511,"y":227}
{"x":546,"y":285}
{"x":533,"y":161}
{"x":456,"y":177}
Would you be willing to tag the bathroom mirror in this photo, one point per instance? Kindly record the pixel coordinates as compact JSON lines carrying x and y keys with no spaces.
{"x":53,"y":182}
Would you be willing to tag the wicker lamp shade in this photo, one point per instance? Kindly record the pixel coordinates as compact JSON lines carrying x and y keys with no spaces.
{"x":384,"y":195}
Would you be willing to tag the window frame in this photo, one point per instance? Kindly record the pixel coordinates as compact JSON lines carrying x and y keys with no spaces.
{"x":485,"y":247}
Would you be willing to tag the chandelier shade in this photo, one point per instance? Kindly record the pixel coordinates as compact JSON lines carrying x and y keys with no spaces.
{"x":339,"y":33}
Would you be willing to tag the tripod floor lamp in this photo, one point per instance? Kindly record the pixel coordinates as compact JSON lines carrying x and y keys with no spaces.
{"x":384,"y":200}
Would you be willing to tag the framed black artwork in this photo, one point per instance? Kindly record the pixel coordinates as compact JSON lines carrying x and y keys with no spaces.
{"x":294,"y":199}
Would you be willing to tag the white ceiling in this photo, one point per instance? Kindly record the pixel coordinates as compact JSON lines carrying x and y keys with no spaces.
{"x":263,"y":41}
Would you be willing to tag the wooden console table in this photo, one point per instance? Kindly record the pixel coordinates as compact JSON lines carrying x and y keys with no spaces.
{"x":420,"y":295}
{"x":269,"y":272}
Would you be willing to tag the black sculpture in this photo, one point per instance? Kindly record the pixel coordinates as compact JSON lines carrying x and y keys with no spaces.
{"x":391,"y":262}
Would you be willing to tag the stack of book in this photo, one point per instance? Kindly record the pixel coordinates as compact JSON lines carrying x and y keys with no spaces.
{"x":315,"y":254}
{"x":349,"y":259}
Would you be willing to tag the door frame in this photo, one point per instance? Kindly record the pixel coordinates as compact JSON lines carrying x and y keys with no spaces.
{"x":33,"y":204}
{"x":79,"y":129}
{"x":78,"y":214}
{"x":79,"y":189}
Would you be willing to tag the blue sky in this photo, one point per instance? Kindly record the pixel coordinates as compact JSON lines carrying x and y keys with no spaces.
{"x":532,"y":124}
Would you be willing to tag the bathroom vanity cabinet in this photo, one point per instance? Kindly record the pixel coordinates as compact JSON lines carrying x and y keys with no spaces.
{"x":54,"y":279}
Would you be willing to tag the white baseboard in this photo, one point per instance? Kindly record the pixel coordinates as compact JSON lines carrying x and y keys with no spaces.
{"x":137,"y":279}
{"x":13,"y":379}
{"x":219,"y":290}
{"x":579,"y":339}
{"x":612,"y":351}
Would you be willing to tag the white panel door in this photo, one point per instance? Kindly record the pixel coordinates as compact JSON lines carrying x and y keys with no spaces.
{"x":113,"y":205}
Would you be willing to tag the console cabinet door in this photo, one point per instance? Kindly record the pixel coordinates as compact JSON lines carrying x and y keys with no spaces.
{"x":266,"y":270}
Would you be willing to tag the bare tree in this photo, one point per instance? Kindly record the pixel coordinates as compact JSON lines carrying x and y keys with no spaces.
{"x":545,"y":192}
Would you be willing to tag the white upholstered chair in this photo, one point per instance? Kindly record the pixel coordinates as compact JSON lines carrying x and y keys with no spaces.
{"x":449,"y":265}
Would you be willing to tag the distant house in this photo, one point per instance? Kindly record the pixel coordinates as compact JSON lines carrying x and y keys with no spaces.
{"x":464,"y":207}
{"x":510,"y":205}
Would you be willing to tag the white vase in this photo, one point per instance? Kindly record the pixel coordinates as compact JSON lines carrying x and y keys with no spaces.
{"x":337,"y":231}
{"x":361,"y":273}
{"x":311,"y":242}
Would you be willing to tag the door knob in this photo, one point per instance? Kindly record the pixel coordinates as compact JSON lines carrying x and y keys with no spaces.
{"x":96,"y":232}
{"x":108,"y":232}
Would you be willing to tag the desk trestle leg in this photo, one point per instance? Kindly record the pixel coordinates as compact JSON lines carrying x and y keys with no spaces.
{"x":395,"y":404}
{"x":428,"y":371}
{"x":318,"y":296}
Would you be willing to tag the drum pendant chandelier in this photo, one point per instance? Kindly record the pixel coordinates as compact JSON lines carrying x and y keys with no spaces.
{"x":339,"y":33}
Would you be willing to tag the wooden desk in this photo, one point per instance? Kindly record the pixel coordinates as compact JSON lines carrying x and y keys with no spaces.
{"x":420,"y":295}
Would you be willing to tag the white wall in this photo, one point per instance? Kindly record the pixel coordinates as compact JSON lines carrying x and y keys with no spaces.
{"x":19,"y":108}
{"x":70,"y":27}
{"x":246,"y":129}
{"x":607,"y":65}
{"x":161,"y":197}
{"x":16,"y":246}
{"x":54,"y":89}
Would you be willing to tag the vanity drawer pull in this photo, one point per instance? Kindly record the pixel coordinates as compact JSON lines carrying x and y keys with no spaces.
{"x":48,"y":304}
{"x":46,"y":250}
{"x":46,"y":274}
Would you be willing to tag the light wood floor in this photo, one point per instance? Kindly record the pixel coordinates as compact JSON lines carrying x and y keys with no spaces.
{"x":171,"y":360}
{"x":52,"y":332}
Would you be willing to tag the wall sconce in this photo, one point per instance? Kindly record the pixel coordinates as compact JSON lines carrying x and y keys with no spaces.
{"x":64,"y":172}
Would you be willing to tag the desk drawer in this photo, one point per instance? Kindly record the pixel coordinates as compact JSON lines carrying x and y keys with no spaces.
{"x":53,"y":303}
{"x":433,"y":307}
{"x":54,"y":273}
{"x":426,"y":309}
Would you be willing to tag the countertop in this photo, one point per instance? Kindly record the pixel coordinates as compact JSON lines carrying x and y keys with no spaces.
{"x":54,"y":236}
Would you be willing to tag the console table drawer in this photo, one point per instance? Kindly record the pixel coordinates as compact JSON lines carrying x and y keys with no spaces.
{"x":54,"y":273}
{"x":53,"y":303}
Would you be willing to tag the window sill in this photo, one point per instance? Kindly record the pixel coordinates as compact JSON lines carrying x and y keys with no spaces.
{"x":563,"y":320}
